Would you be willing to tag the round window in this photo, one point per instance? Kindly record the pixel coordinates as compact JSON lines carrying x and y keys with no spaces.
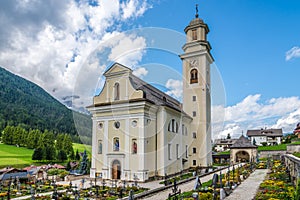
{"x":100,"y":125}
{"x":134,"y":123}
{"x":117,"y":124}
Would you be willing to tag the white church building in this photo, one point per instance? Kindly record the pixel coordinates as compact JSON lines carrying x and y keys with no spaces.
{"x":140,"y":132}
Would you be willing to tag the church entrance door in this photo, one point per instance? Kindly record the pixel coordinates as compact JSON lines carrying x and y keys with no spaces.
{"x":116,"y":170}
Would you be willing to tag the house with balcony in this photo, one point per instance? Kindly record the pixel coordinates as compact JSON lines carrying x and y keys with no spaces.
{"x":263,"y":137}
{"x":223,"y":144}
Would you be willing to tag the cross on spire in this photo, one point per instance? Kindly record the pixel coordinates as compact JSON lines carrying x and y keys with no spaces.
{"x":197,"y":15}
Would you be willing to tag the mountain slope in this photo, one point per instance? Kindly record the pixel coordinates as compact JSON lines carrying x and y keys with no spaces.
{"x":23,"y":102}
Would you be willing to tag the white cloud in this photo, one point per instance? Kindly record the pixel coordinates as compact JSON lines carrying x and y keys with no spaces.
{"x":49,"y":42}
{"x":288,"y":121}
{"x":175,"y":88}
{"x":133,"y":8}
{"x":252,"y":113}
{"x":292,"y":53}
{"x":140,"y":72}
{"x":127,"y":50}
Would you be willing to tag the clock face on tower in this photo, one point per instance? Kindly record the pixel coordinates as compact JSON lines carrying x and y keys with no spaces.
{"x":193,"y":63}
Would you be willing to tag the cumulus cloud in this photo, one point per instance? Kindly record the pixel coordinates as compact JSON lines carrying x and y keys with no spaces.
{"x":49,"y":42}
{"x":127,"y":49}
{"x":133,"y":8}
{"x":252,"y":113}
{"x":292,"y":53}
{"x":140,"y":72}
{"x":174,"y":88}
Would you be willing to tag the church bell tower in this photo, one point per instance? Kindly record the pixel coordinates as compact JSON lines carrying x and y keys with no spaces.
{"x":196,"y":61}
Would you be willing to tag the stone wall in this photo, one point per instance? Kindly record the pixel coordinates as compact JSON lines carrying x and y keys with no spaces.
{"x":293,"y":164}
{"x":266,"y":154}
{"x":293,"y":148}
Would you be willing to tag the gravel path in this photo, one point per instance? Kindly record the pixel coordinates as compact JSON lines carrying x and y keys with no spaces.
{"x":247,"y":190}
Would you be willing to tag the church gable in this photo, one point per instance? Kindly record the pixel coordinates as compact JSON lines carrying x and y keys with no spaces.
{"x":116,"y":69}
{"x":117,"y":87}
{"x":121,"y":85}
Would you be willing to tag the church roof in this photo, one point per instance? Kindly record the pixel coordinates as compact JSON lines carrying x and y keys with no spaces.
{"x":150,"y":93}
{"x":155,"y":95}
{"x":265,"y":132}
{"x":224,"y":141}
{"x":242,"y":142}
{"x":196,"y":22}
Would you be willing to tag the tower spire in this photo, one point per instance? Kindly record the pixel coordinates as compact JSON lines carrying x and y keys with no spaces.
{"x":197,"y":15}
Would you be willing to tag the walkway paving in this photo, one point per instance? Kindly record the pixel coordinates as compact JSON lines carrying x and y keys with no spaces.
{"x":247,"y":190}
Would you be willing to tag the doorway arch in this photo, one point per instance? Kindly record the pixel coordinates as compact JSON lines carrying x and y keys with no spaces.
{"x":116,"y":170}
{"x":242,"y":156}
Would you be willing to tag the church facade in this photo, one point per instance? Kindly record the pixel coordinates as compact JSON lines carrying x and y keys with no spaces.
{"x":140,"y":132}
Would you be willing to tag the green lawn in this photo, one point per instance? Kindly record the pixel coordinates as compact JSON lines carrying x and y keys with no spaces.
{"x":82,"y":147}
{"x":19,"y":157}
{"x":224,"y":153}
{"x":14,"y":156}
{"x":280,"y":147}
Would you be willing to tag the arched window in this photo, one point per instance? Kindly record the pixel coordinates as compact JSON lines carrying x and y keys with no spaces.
{"x":173,"y":126}
{"x":116,"y":144}
{"x":194,"y":76}
{"x":116,"y":91}
{"x":194,"y":34}
{"x":134,"y":146}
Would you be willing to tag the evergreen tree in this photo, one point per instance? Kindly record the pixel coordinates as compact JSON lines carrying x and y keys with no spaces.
{"x":38,"y":154}
{"x":228,"y":136}
{"x":72,"y":155}
{"x":41,"y":141}
{"x":50,"y":153}
{"x":59,"y":144}
{"x":67,"y":144}
{"x":7,"y":135}
{"x":49,"y":138}
{"x":68,"y":168}
{"x":21,"y":136}
{"x":33,"y":138}
{"x":77,"y":156}
{"x":84,"y":163}
{"x":62,"y":156}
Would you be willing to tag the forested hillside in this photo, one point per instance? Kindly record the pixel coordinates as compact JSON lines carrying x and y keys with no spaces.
{"x":28,"y":105}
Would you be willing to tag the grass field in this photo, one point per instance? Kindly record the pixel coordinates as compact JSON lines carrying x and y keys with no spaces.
{"x":280,"y":147}
{"x":20,"y":157}
{"x":14,"y":156}
{"x":82,"y":147}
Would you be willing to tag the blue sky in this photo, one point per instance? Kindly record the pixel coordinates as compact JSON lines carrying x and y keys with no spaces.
{"x":249,"y":41}
{"x":255,"y":45}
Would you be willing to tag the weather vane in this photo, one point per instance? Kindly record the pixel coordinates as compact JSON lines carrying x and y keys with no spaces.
{"x":197,"y":11}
